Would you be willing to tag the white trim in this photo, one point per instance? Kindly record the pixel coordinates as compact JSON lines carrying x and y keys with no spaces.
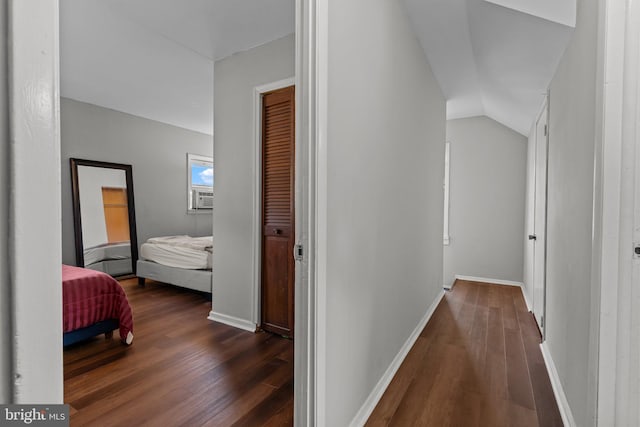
{"x":236,"y":322}
{"x":36,"y":294}
{"x":540,"y":220}
{"x":257,"y":185}
{"x":558,"y":391}
{"x":376,"y":394}
{"x":6,"y":337}
{"x":269,"y":87}
{"x":448,"y":287}
{"x":311,"y":129}
{"x":608,"y":159}
{"x":618,"y":378}
{"x":320,"y":207}
{"x":526,"y":299}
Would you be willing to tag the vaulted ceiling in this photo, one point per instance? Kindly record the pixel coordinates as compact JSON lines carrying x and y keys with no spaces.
{"x":496,"y":57}
{"x":154,"y":58}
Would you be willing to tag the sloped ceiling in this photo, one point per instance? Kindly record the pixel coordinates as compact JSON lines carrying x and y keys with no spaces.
{"x":154,"y":58}
{"x":494,"y":58}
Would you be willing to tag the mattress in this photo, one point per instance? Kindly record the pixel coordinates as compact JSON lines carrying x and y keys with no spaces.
{"x":90,"y":297}
{"x":198,"y":243}
{"x":110,"y":251}
{"x":189,"y":253}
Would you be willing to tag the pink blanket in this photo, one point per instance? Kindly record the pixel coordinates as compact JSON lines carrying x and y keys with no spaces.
{"x":91,"y":296}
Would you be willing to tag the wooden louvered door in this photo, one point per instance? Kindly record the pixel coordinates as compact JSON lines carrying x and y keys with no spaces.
{"x":278,"y":149}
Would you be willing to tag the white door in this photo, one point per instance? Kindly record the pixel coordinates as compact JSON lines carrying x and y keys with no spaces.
{"x":539,"y":236}
{"x":529,"y":246}
{"x":635,"y":274}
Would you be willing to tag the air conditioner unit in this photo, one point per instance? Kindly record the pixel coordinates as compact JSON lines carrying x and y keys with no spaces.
{"x":202,"y":199}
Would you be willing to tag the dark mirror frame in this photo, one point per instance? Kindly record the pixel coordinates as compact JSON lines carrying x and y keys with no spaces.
{"x":77,"y":220}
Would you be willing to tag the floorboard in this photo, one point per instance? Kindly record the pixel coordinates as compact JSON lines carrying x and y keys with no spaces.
{"x":476,"y":363}
{"x":181,"y":370}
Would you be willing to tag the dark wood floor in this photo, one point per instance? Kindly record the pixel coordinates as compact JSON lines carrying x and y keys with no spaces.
{"x":182,"y":369}
{"x":476,"y":363}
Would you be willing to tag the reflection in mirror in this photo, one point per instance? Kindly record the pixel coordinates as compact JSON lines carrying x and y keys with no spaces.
{"x":104,"y":216}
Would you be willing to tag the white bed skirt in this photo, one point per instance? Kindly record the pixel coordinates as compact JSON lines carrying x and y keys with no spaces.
{"x":199,"y":280}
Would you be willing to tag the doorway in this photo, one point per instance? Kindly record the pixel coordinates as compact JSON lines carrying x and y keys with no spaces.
{"x":539,"y":237}
{"x":277,"y":210}
{"x":37,"y":122}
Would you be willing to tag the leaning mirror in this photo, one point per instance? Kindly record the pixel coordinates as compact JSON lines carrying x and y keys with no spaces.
{"x":104,"y":216}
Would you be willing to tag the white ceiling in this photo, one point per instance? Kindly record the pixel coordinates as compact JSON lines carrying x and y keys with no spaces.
{"x":494,"y":57}
{"x":154,"y":58}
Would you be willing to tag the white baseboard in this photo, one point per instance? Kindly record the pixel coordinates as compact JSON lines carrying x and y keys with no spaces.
{"x":376,"y":394}
{"x":526,"y":300}
{"x":558,"y":391}
{"x":232,"y":321}
{"x":448,"y":287}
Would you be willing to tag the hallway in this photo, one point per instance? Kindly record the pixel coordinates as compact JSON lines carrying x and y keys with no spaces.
{"x":476,"y":363}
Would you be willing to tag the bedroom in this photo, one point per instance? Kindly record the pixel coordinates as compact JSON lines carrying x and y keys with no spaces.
{"x":137,"y":89}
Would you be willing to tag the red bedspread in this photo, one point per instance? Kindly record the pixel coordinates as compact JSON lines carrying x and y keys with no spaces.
{"x":92,"y":296}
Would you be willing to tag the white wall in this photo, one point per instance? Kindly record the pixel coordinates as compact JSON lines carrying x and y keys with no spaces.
{"x":158,"y":154}
{"x":91,"y":180}
{"x":112,"y":57}
{"x":570,"y":318}
{"x":487,"y":200}
{"x":34,"y":227}
{"x":385,"y":168}
{"x":235,"y":173}
{"x":5,"y":333}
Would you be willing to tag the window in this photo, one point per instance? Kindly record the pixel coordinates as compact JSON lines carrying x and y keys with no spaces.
{"x":200,"y":181}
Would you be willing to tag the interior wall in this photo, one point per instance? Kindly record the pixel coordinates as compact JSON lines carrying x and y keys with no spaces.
{"x":158,"y":154}
{"x":235,"y":171}
{"x":5,"y":332}
{"x":486,"y":200}
{"x":385,"y":169}
{"x":570,"y":317}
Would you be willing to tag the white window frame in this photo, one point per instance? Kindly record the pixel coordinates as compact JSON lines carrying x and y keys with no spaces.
{"x":198,"y":159}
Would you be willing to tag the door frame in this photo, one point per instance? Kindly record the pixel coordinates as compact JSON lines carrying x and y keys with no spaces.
{"x":256,"y":255}
{"x":34,"y":296}
{"x":312,"y":28}
{"x":544,"y":110}
{"x":616,"y":189}
{"x":529,"y":228}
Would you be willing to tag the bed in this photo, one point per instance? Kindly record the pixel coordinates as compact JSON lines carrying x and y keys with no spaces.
{"x":93,"y":303}
{"x":177,"y":260}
